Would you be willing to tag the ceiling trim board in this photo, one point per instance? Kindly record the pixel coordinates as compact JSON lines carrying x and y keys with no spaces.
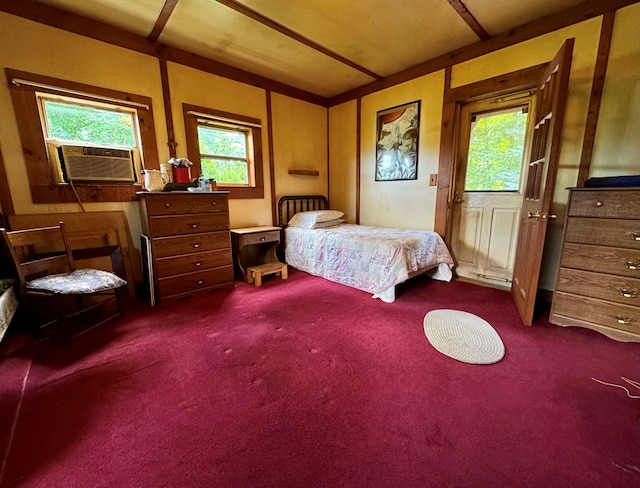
{"x":266,"y":21}
{"x":60,"y":19}
{"x":462,"y":10}
{"x":572,"y":15}
{"x":163,"y":17}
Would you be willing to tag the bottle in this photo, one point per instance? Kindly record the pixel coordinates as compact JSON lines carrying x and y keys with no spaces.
{"x":204,"y":184}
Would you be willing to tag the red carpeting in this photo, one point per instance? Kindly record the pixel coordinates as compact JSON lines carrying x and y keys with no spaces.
{"x":304,"y":383}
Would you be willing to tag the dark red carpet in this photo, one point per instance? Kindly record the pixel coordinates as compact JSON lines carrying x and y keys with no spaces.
{"x":305,"y":383}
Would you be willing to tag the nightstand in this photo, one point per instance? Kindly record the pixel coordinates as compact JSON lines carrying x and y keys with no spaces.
{"x":253,"y":247}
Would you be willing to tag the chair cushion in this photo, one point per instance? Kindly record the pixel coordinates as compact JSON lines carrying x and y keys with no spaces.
{"x":80,"y":281}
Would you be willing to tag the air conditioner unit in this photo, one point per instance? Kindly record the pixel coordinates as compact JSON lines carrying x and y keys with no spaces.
{"x":86,"y":164}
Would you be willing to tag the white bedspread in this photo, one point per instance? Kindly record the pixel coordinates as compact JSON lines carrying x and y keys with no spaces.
{"x":371,"y":259}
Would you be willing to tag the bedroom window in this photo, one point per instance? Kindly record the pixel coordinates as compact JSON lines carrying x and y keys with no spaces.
{"x":224,"y":153}
{"x":227,"y":148}
{"x":81,"y":143}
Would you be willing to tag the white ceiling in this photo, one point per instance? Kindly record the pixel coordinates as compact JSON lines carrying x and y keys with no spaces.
{"x":298,"y":46}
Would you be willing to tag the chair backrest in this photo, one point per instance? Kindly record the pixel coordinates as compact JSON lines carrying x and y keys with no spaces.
{"x":38,"y":252}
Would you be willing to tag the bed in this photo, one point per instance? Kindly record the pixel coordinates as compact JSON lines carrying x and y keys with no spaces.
{"x":371,"y":259}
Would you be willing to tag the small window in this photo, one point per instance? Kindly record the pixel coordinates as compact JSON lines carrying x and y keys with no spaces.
{"x":496,"y":148}
{"x":224,"y":154}
{"x":227,"y":148}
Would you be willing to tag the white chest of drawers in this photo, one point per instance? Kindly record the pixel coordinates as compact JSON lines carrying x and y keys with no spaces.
{"x":598,"y":283}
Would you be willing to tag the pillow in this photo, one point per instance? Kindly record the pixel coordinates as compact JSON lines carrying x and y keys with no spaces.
{"x":307,"y":220}
{"x":328,"y":223}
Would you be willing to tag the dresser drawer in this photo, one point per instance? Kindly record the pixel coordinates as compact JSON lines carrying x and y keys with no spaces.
{"x":171,"y":246}
{"x":189,"y":263}
{"x":195,"y":282}
{"x":187,"y":224}
{"x":600,"y":312}
{"x":597,"y":285}
{"x":618,"y":204}
{"x":615,"y":261}
{"x":604,"y":232}
{"x":186,"y":203}
{"x":259,"y":237}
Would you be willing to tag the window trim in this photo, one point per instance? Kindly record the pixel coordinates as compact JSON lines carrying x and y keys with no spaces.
{"x":42,"y":183}
{"x":191,"y":113}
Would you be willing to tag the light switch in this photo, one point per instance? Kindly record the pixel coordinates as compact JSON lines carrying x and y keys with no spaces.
{"x":433,"y":180}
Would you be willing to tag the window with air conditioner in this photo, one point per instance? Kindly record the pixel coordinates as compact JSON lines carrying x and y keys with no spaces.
{"x":90,"y":142}
{"x":82,"y":143}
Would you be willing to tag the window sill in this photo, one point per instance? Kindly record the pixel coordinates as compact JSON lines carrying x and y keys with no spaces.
{"x":63,"y":193}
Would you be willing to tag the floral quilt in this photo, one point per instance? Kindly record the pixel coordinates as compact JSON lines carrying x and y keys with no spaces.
{"x":371,"y":259}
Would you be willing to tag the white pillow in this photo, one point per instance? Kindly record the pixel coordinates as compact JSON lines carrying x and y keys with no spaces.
{"x":328,"y":223}
{"x":307,"y":220}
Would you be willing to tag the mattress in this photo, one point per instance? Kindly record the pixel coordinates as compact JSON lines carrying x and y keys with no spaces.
{"x":371,"y":259}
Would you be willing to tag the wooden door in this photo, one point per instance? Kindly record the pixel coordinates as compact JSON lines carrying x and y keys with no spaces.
{"x":541,"y":175}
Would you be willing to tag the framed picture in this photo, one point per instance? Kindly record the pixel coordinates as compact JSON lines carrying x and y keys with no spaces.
{"x":397,"y":142}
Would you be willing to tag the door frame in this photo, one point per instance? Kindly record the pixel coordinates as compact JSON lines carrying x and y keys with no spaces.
{"x":489,"y":105}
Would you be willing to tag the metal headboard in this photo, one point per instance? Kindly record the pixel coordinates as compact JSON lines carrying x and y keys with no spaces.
{"x":290,"y":205}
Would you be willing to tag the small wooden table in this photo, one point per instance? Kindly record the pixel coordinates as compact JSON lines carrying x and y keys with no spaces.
{"x":255,"y":247}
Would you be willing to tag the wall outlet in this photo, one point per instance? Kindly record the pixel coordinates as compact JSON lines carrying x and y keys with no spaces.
{"x":433,"y":180}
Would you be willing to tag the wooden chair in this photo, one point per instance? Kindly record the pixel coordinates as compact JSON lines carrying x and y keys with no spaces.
{"x":45,"y":270}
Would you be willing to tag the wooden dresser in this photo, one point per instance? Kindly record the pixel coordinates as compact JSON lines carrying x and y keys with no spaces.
{"x":598,"y":283}
{"x":190,"y":243}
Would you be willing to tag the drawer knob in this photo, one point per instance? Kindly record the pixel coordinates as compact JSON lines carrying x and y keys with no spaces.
{"x":262,"y":238}
{"x":214,"y":203}
{"x":599,"y":204}
{"x":167,"y":205}
{"x":627,"y":293}
{"x":635,"y":236}
{"x":631,"y":265}
{"x":200,"y":282}
{"x":194,"y":225}
{"x":622,"y":320}
{"x":196,"y":245}
{"x":198,"y":264}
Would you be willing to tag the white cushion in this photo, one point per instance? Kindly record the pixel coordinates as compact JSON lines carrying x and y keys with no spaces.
{"x":80,"y":281}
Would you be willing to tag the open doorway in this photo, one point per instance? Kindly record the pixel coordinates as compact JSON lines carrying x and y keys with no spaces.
{"x":491,"y":155}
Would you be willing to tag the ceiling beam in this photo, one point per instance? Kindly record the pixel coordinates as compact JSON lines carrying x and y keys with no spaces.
{"x":549,"y":23}
{"x":163,"y":17}
{"x":462,"y":10}
{"x":266,"y":21}
{"x":77,"y":24}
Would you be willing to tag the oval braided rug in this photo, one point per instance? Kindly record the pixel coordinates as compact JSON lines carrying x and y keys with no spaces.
{"x":463,"y":336}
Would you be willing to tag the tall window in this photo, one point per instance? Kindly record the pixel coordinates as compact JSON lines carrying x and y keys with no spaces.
{"x":227,"y":148}
{"x":496,"y":148}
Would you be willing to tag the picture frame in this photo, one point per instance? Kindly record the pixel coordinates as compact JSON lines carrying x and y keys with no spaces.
{"x":397,"y":137}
